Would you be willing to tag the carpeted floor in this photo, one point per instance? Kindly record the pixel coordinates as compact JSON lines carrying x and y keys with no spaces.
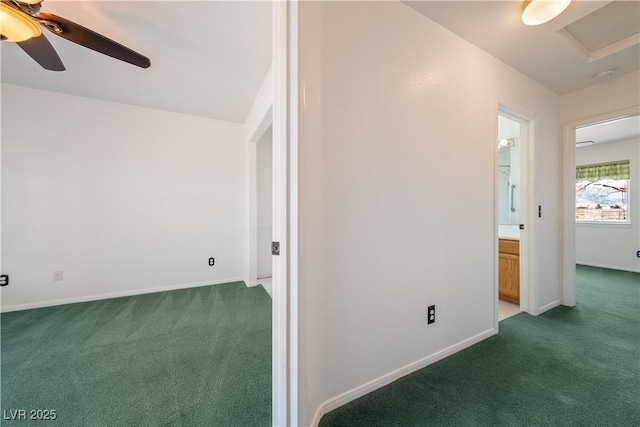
{"x":194,"y":357}
{"x":568,"y":367}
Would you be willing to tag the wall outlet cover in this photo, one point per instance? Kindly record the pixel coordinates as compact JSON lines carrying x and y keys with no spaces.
{"x":431,"y":314}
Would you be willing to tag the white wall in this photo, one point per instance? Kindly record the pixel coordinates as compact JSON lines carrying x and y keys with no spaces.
{"x":606,"y":97}
{"x":258,"y":122}
{"x":264,"y":164}
{"x":606,"y":245}
{"x":123,"y":199}
{"x":397,"y":147}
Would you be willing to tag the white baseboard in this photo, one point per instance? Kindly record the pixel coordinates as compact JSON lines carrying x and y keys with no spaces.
{"x":41,"y":304}
{"x":549,"y":306}
{"x":252,"y":284}
{"x":373,"y":385}
{"x":610,"y":267}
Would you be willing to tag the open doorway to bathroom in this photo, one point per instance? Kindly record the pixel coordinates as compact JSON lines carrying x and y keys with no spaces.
{"x":512,"y":193}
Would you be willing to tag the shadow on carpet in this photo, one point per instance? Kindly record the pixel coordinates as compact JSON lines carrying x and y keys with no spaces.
{"x":193,"y":357}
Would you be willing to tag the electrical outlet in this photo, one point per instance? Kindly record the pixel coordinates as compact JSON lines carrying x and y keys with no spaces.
{"x":431,"y":314}
{"x":57,"y":275}
{"x":212,"y":262}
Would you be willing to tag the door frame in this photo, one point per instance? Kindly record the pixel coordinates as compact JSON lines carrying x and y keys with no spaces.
{"x":277,"y":106}
{"x":259,"y":126}
{"x":528,"y":288}
{"x":285,"y":214}
{"x":569,"y":202}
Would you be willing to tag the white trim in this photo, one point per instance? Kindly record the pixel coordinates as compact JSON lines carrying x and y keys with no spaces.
{"x":284,"y":342}
{"x":603,"y":224}
{"x":569,"y":202}
{"x":569,"y":216}
{"x":74,"y":300}
{"x":603,"y":52}
{"x":346,"y":397}
{"x":258,"y":120}
{"x":528,"y":248}
{"x":573,"y":43}
{"x":616,"y":47}
{"x":1,"y":272}
{"x":496,"y":221}
{"x":259,"y":117}
{"x":528,"y":282}
{"x":251,"y":214}
{"x":292,"y":320}
{"x":609,"y":267}
{"x":549,"y":306}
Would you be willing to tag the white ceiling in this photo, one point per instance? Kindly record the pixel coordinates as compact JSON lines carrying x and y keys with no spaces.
{"x":610,"y":131}
{"x":538,"y":52}
{"x":207,"y":58}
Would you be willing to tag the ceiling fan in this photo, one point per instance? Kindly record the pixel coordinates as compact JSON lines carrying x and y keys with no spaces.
{"x":19,"y":21}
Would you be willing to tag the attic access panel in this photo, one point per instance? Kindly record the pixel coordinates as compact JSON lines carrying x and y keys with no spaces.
{"x":608,"y":30}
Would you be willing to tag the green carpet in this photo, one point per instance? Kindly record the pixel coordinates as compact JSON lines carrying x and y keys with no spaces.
{"x":193,"y":357}
{"x":568,"y":367}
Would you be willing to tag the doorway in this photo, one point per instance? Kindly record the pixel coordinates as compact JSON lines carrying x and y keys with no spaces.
{"x":513,"y":146}
{"x":570,"y":208}
{"x":264,"y":210}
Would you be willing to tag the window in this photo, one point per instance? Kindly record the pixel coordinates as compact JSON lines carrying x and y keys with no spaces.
{"x":602,"y":193}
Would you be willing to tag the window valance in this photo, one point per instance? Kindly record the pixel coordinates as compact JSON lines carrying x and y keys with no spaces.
{"x":615,"y":170}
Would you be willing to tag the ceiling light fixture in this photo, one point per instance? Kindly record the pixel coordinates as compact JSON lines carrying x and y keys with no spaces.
{"x":15,"y":26}
{"x":506,"y":143}
{"x":610,"y":72}
{"x":584,"y":143}
{"x":536,"y":12}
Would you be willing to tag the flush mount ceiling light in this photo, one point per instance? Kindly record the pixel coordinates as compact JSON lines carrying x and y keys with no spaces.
{"x":584,"y":143}
{"x":610,"y":72}
{"x":16,"y":26}
{"x":536,"y":12}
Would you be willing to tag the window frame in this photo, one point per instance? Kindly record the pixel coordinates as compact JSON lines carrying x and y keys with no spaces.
{"x":606,"y":223}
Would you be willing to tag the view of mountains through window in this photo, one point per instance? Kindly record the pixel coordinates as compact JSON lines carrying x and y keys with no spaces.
{"x":602,"y":200}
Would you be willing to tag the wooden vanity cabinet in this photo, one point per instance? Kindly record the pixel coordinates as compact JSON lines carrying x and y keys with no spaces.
{"x":509,"y":270}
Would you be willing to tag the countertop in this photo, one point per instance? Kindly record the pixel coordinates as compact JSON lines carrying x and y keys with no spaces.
{"x":509,"y":235}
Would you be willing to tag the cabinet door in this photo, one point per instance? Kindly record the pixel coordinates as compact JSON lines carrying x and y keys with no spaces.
{"x":509,"y":278}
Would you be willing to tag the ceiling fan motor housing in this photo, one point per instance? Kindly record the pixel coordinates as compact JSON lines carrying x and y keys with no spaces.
{"x":52,"y":26}
{"x":28,"y":6}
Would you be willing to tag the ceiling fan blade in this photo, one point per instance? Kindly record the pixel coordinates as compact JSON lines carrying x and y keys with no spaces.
{"x":42,"y":52}
{"x":90,"y":39}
